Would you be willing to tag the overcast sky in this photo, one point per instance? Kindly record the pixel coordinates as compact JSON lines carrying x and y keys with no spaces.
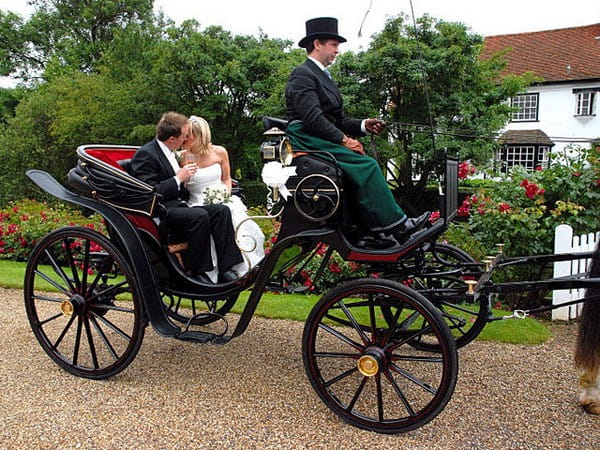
{"x":285,"y":19}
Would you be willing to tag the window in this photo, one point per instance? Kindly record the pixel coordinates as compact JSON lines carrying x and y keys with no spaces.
{"x":528,"y":156}
{"x":526,"y":107}
{"x":585,"y":103}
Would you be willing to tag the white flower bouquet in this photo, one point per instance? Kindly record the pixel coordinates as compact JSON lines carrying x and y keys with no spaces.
{"x":215,"y":194}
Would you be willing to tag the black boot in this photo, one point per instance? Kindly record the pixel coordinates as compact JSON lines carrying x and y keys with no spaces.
{"x":410,"y":226}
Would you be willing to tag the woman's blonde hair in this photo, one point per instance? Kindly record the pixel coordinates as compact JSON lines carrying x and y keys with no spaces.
{"x":200,"y":130}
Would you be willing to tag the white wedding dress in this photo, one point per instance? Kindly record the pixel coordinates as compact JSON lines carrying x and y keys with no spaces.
{"x":249,"y":237}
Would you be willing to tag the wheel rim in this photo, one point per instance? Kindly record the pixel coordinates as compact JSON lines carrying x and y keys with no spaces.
{"x":81,"y":303}
{"x":439,"y":278}
{"x":366,"y":370}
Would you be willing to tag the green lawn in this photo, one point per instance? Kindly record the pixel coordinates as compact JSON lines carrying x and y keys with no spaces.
{"x":297,"y":307}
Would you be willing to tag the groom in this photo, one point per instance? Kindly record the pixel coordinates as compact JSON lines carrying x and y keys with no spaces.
{"x":155,"y":163}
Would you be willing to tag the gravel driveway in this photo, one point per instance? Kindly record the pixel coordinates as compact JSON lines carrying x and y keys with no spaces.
{"x":252,"y":393}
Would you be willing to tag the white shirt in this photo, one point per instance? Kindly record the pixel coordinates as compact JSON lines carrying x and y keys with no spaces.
{"x":170,"y":155}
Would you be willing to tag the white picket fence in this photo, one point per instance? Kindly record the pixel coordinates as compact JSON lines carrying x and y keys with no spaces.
{"x":565,"y":242}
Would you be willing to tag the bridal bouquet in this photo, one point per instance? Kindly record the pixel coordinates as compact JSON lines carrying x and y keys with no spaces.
{"x":215,"y":194}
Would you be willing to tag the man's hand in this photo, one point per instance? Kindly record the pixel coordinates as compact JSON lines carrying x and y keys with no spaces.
{"x":185,"y":173}
{"x":353,"y":144}
{"x":374,"y":126}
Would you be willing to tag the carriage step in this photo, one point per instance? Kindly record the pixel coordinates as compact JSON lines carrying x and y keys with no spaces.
{"x":196,"y":336}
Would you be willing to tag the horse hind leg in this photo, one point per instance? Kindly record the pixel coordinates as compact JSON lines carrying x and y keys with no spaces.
{"x":589,"y":397}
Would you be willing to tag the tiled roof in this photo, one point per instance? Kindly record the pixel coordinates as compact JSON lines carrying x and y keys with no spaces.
{"x":525,"y":137}
{"x":555,"y":55}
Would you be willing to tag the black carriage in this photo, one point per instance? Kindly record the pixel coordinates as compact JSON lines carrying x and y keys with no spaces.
{"x":381,"y":352}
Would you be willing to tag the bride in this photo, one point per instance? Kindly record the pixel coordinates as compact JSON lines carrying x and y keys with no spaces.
{"x":212,"y":184}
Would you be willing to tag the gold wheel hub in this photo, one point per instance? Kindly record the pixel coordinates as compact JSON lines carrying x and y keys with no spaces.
{"x":67,"y":308}
{"x":368,"y":365}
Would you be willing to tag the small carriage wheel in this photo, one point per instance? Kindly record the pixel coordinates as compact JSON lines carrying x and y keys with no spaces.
{"x":364,"y":367}
{"x":319,"y":201}
{"x":197,"y":312}
{"x":83,"y":303}
{"x":437,"y":276}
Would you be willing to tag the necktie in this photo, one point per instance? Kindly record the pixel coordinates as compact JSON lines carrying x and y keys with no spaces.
{"x":327,"y":73}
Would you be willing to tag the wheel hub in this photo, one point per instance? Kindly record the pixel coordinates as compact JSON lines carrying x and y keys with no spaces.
{"x":371,"y":362}
{"x":72,"y":306}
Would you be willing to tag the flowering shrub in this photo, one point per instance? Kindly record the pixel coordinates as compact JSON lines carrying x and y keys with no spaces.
{"x":24,"y":223}
{"x":332,"y":274}
{"x":523,"y":208}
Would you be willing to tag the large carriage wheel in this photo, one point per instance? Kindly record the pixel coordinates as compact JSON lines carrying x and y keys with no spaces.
{"x":197,"y":312}
{"x":365,"y":367}
{"x":438,"y":275}
{"x":82,"y":303}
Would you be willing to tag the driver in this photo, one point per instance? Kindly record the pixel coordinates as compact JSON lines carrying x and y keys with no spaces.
{"x":317,"y":121}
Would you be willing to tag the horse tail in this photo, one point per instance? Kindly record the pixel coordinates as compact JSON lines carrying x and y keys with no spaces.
{"x":587,"y":349}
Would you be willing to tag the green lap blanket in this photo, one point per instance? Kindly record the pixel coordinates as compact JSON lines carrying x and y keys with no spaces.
{"x":373,"y":200}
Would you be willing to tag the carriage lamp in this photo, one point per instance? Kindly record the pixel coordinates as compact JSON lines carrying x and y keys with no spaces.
{"x":500,"y":248}
{"x":489,"y":261}
{"x":277,"y":147}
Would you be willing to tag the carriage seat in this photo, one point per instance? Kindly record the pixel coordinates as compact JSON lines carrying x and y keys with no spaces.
{"x":273,"y":122}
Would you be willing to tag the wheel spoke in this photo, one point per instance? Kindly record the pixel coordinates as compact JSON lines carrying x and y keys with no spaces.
{"x":47,"y":299}
{"x":409,"y":409}
{"x":341,"y":376}
{"x":357,"y":394}
{"x":72,"y":264}
{"x":413,"y":379}
{"x":77,"y":341}
{"x":51,"y":281}
{"x":335,"y":355}
{"x":104,"y":338}
{"x":91,"y":345}
{"x":64,"y":332}
{"x":50,"y":319}
{"x":354,"y":323}
{"x":112,"y":326}
{"x":341,"y":337}
{"x":379,"y":397}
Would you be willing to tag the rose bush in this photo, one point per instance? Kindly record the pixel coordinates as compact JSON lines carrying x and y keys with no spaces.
{"x":24,"y":223}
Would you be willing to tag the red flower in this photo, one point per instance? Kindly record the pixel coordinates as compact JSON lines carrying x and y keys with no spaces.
{"x":435,"y":215}
{"x":538,"y":168}
{"x":464,"y":210}
{"x":480,"y":210}
{"x":576,"y":174}
{"x":335,"y":268}
{"x":503,"y":207}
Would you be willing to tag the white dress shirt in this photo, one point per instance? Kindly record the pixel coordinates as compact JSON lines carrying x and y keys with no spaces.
{"x":170,"y":155}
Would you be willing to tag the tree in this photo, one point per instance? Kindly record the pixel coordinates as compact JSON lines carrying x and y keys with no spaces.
{"x":466,"y":101}
{"x":65,"y":33}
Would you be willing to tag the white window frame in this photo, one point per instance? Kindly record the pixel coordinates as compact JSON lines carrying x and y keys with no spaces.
{"x":524,"y":155}
{"x":584,"y":105}
{"x":528,"y":106}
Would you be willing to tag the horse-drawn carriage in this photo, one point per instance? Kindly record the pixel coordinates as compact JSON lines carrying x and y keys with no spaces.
{"x":380,"y":354}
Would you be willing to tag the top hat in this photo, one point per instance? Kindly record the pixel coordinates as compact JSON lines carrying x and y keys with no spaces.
{"x":321,"y":28}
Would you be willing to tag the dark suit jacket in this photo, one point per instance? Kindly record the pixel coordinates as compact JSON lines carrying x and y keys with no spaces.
{"x":312,"y":97}
{"x":149,"y":164}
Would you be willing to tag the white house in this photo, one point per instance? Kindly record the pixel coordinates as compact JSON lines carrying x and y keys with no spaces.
{"x":560,"y":111}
